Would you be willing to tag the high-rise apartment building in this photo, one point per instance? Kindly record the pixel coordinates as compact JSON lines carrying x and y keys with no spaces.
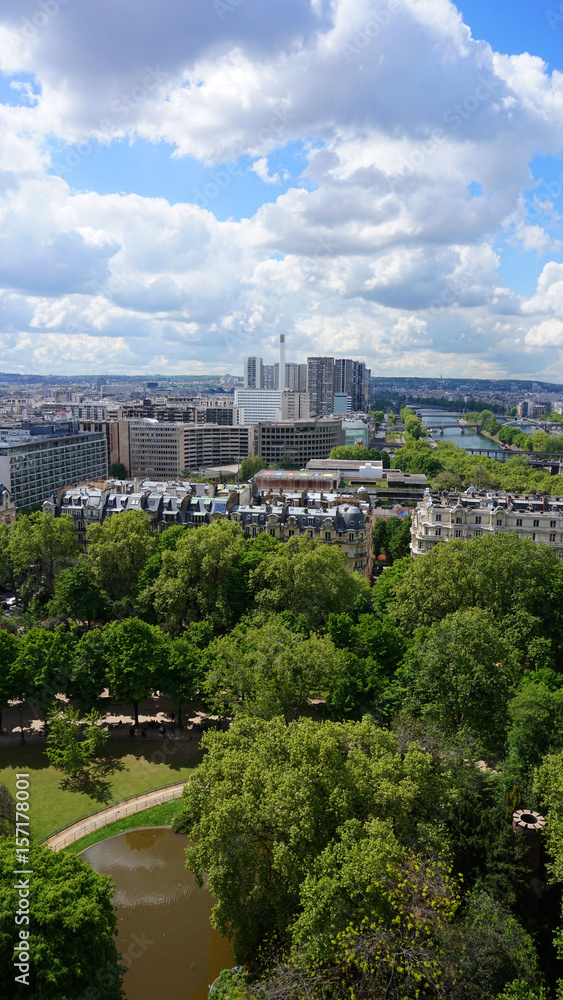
{"x":320,"y":385}
{"x":295,"y":376}
{"x":253,"y":373}
{"x":352,"y":378}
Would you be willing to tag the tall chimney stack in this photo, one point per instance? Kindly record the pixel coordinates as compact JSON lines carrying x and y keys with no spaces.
{"x":282,"y":384}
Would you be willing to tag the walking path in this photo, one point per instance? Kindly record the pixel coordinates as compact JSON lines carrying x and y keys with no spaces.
{"x":75,"y":831}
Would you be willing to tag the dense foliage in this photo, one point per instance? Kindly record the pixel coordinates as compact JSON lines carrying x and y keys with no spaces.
{"x":69,"y":925}
{"x":366,"y":855}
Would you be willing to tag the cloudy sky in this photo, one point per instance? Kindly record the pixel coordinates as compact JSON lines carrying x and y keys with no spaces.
{"x":182,"y":181}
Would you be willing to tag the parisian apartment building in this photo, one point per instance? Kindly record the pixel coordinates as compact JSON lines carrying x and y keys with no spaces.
{"x":440,"y":517}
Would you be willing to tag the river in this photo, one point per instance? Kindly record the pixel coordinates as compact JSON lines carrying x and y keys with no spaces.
{"x":164,"y":933}
{"x":470,"y":439}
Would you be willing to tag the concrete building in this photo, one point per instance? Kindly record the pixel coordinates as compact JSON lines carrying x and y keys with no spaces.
{"x":35,"y":462}
{"x":295,"y":376}
{"x":441,"y":517}
{"x":320,"y":385}
{"x":253,"y":373}
{"x":271,"y":404}
{"x":301,"y":440}
{"x":280,"y":480}
{"x":352,"y":378}
{"x":163,"y":450}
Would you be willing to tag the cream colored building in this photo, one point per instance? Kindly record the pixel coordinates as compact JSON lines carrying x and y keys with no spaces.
{"x":7,"y":506}
{"x":441,"y":517}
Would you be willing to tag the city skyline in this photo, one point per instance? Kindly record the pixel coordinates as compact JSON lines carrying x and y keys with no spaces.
{"x":373,"y":179}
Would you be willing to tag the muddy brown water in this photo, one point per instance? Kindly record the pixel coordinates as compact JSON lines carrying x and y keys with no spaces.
{"x":165,"y":936}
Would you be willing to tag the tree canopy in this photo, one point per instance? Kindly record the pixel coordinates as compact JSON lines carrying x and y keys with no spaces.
{"x":70,"y":927}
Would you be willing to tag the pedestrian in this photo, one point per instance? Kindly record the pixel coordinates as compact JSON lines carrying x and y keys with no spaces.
{"x":144,"y":734}
{"x":132,"y":732}
{"x":163,"y":732}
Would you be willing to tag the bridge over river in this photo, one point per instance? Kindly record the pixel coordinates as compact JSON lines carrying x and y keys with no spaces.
{"x":539,"y":458}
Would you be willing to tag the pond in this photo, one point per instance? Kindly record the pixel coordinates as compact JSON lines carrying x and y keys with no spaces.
{"x":165,"y":936}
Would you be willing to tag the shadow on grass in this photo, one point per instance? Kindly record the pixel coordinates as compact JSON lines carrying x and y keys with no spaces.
{"x":93,"y":781}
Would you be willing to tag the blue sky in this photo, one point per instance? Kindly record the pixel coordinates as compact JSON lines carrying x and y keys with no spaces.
{"x":380,"y":179}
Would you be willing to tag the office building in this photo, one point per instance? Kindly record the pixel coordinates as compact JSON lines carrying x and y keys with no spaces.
{"x":271,"y":404}
{"x":37,"y":461}
{"x":301,"y":440}
{"x":164,"y":450}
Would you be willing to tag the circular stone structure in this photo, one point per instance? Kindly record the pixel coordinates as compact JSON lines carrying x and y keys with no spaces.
{"x":526,"y":821}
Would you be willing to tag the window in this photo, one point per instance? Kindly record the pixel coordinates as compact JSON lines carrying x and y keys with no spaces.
{"x":458,"y":533}
{"x":552,"y":537}
{"x":534,"y":537}
{"x":518,"y":522}
{"x":438,"y":517}
{"x":427,"y":531}
{"x":478,"y":533}
{"x":536,"y":522}
{"x":553,"y":524}
{"x":478,"y":519}
{"x":438,"y":532}
{"x":499,"y":522}
{"x":458,"y":520}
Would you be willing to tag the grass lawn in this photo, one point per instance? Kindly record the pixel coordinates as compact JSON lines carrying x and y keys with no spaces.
{"x":140,"y":769}
{"x":155,"y":816}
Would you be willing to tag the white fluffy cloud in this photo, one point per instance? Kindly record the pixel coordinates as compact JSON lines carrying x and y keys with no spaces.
{"x":416,"y":143}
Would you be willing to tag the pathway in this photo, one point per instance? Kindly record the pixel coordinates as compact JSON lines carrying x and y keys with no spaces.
{"x":75,"y":831}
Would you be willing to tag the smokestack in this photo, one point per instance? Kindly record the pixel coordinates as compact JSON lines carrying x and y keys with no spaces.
{"x":282,"y":384}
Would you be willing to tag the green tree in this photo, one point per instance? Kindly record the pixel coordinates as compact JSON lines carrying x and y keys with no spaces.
{"x":183,"y":676}
{"x":267,"y":669}
{"x":117,"y":470}
{"x":460,"y":672}
{"x":135,"y":653}
{"x":9,"y":647}
{"x":249,"y":467}
{"x":118,"y":550}
{"x":41,"y":545}
{"x":196,"y":579}
{"x":307,"y":578}
{"x":70,"y":930}
{"x":378,"y":416}
{"x":78,"y":595}
{"x":43,"y":663}
{"x":75,"y":744}
{"x":8,"y":575}
{"x":88,"y":669}
{"x":536,"y":725}
{"x":7,"y":813}
{"x":287,"y":462}
{"x":268,"y":798}
{"x":501,"y":573}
